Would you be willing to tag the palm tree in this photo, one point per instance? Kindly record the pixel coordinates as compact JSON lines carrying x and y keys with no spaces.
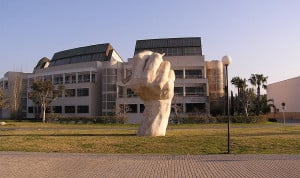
{"x":241,"y":85}
{"x":258,"y":80}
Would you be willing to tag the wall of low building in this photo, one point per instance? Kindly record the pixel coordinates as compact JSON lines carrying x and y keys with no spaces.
{"x":286,"y":91}
{"x":290,"y":117}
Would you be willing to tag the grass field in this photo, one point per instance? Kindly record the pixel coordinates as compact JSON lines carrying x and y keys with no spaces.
{"x":263,"y":138}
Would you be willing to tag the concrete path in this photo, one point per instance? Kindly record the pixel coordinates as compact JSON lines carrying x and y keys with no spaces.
{"x":22,"y":164}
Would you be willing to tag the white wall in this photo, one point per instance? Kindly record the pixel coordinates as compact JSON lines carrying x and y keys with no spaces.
{"x":286,"y":91}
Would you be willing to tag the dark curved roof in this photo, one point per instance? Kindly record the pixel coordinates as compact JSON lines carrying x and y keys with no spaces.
{"x":41,"y":64}
{"x":161,"y":45}
{"x":98,"y":52}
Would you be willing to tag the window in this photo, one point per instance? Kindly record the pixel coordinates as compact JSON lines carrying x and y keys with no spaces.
{"x":58,"y":80}
{"x":132,"y":108}
{"x":142,"y":108}
{"x":111,"y":87}
{"x":178,"y":91}
{"x":69,"y":92}
{"x":83,"y":78}
{"x":67,"y":79}
{"x":30,"y":109}
{"x":194,"y":91}
{"x":69,"y":109}
{"x":111,"y":79}
{"x":192,"y":51}
{"x":178,"y":73}
{"x":93,"y":78}
{"x":62,"y":61}
{"x":57,"y":109}
{"x":80,"y":78}
{"x":111,"y":105}
{"x":57,"y":93}
{"x":70,"y":78}
{"x":193,"y":73}
{"x":130,"y":93}
{"x":111,"y":97}
{"x":86,"y":78}
{"x":195,"y":107}
{"x":82,"y":92}
{"x":82,"y":109}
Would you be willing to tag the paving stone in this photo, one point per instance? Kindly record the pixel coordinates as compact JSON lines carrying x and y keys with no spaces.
{"x":23,"y":164}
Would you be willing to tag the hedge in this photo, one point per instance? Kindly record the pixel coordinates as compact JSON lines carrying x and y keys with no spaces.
{"x":86,"y":119}
{"x":193,"y":119}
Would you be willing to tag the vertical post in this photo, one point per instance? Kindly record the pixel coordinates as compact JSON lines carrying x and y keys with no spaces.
{"x":227,"y":110}
{"x":226,"y":61}
{"x":283,"y":108}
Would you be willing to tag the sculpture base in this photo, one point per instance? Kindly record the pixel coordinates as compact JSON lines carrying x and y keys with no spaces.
{"x":155,"y":118}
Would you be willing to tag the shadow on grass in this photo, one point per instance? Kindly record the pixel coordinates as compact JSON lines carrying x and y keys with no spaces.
{"x":71,"y":135}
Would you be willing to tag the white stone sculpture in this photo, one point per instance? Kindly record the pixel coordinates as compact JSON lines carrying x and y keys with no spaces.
{"x":153,"y":80}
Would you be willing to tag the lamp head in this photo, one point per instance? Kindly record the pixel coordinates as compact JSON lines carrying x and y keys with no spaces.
{"x":226,"y":60}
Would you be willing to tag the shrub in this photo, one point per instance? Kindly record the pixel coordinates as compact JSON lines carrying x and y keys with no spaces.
{"x":195,"y":119}
{"x":242,"y":119}
{"x":87,"y":119}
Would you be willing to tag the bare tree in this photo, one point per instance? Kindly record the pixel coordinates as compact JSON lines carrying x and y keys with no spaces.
{"x":15,"y":96}
{"x":3,"y":100}
{"x":123,"y":109}
{"x":246,"y":99}
{"x":176,"y":108}
{"x":42,"y":94}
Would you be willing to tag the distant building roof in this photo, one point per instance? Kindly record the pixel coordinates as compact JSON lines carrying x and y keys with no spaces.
{"x":171,"y":46}
{"x":99,"y":52}
{"x":43,"y":63}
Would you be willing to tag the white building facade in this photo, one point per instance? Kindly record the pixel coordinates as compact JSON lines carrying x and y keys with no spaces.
{"x":91,"y":76}
{"x":286,"y":92}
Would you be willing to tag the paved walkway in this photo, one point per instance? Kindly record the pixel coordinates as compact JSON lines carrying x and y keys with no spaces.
{"x":21,"y":164}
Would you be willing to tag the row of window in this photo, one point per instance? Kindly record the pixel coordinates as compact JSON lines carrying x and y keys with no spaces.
{"x":59,"y":109}
{"x":189,"y":73}
{"x":79,"y":59}
{"x":69,"y":78}
{"x":189,"y":91}
{"x":72,"y":92}
{"x":190,"y":107}
{"x":181,"y":51}
{"x":178,"y":91}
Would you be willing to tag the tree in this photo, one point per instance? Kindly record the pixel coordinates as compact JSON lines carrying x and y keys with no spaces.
{"x":258,"y":80}
{"x":3,"y":99}
{"x":42,"y":94}
{"x":241,"y":85}
{"x":246,"y":100}
{"x":15,"y":96}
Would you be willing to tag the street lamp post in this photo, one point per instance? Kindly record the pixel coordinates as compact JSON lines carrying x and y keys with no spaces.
{"x":226,"y":61}
{"x":283,"y":108}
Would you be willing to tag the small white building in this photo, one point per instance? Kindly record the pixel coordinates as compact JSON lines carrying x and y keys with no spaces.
{"x":286,"y":92}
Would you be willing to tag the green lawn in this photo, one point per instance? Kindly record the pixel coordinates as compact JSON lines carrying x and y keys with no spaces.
{"x":263,"y":138}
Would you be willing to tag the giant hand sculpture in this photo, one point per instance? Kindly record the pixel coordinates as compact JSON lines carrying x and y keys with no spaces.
{"x":153,"y":80}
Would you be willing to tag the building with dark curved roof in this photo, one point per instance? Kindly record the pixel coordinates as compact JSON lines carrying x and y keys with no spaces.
{"x":191,"y":84}
{"x":93,"y":76}
{"x":99,"y":52}
{"x":89,"y":75}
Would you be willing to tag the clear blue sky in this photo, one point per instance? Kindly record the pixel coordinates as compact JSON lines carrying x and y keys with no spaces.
{"x":261,"y":36}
